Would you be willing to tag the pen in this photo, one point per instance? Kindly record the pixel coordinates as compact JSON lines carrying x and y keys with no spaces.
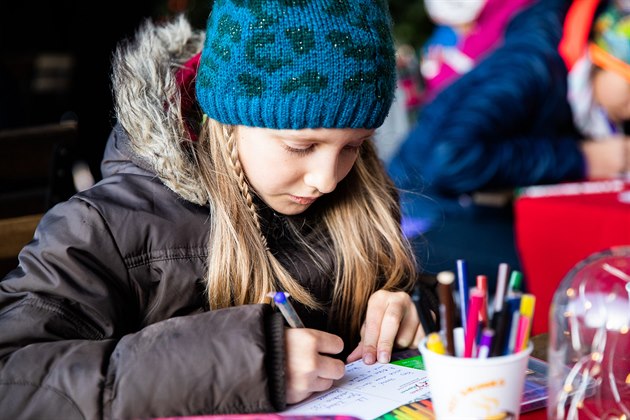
{"x":528,"y":302}
{"x":487,"y":335}
{"x":499,"y":294}
{"x":482,"y":285}
{"x":512,"y":308}
{"x":287,"y":310}
{"x":462,"y":282}
{"x":513,"y":333}
{"x":504,"y":322}
{"x":472,"y":324}
{"x":516,"y":282}
{"x":434,"y":343}
{"x":458,"y":341}
{"x":447,"y":308}
{"x":521,"y":333}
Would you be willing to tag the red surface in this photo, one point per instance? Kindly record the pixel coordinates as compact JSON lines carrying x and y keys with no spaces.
{"x":555,"y":231}
{"x":540,"y":414}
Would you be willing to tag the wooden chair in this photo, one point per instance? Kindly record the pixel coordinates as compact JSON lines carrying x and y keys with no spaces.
{"x":15,"y":232}
{"x":36,"y":167}
{"x":35,"y":173}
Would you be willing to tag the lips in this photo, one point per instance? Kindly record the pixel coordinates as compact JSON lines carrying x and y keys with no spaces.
{"x":302,"y":200}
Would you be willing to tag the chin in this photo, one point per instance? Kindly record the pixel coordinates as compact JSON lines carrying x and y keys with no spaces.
{"x":290,"y":209}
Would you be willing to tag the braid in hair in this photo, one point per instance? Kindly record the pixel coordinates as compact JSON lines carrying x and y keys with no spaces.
{"x":242,"y":180}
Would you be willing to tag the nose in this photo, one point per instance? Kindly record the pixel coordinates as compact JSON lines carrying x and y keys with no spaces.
{"x":322,"y":175}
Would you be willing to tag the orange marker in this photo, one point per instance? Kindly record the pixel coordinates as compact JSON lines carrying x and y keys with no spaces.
{"x":482,"y":286}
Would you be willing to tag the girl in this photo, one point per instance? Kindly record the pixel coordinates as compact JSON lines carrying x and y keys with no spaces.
{"x":237,"y":169}
{"x":598,"y":58}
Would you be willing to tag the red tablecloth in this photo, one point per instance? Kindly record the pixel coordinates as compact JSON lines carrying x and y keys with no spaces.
{"x":557,"y":226}
{"x":540,"y":414}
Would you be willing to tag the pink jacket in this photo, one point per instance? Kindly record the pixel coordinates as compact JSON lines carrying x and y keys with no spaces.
{"x":484,"y":37}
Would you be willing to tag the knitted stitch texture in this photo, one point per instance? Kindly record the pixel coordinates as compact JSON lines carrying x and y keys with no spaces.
{"x":293,"y":64}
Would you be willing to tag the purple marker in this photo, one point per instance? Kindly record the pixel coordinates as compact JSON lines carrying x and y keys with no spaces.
{"x":487,"y":335}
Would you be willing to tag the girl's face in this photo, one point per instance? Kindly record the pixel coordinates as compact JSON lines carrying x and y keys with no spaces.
{"x":290,"y":169}
{"x":454,"y":12}
{"x":612,"y":92}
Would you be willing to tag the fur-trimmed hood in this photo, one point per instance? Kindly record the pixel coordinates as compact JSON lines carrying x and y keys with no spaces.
{"x":148,"y":104}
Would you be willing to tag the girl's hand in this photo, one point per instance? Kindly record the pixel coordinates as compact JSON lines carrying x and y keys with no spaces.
{"x":391,"y":319}
{"x":606,"y":157}
{"x":308,"y":367}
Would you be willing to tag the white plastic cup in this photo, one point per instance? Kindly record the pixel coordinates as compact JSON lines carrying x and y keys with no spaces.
{"x":472,"y":388}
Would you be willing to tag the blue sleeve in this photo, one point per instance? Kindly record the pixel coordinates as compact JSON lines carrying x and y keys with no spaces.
{"x":442,"y":35}
{"x":506,"y":123}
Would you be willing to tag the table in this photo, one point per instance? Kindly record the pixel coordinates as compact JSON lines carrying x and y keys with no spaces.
{"x":540,"y":414}
{"x":540,"y":346}
{"x":557,"y":226}
{"x":540,"y":343}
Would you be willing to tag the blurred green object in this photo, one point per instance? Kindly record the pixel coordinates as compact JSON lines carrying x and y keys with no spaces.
{"x":411,"y":24}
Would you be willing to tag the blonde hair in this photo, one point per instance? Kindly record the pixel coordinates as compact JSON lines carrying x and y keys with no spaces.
{"x":361,"y":219}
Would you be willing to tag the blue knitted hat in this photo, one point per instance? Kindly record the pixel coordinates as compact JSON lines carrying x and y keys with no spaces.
{"x":298,"y":63}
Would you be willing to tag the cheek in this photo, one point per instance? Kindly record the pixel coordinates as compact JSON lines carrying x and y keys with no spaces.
{"x":613,"y":94}
{"x":346,"y":164}
{"x":254,"y":156}
{"x":251,"y":160}
{"x":267,"y":170}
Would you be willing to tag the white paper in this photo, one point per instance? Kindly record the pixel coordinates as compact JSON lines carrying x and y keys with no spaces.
{"x":367,"y":391}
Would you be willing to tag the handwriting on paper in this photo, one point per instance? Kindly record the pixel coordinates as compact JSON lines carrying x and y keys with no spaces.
{"x":367,"y":391}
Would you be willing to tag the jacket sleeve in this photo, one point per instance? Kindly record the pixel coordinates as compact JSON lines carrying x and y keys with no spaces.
{"x":68,"y":349}
{"x":506,"y":123}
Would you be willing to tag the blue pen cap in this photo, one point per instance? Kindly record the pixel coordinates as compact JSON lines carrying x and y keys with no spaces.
{"x":280,"y":297}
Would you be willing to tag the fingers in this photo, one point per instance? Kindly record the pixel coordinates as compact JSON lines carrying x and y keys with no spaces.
{"x":308,"y":368}
{"x":295,"y":395}
{"x":408,"y":327}
{"x":420,"y":334}
{"x":391,"y":319}
{"x":356,"y":354}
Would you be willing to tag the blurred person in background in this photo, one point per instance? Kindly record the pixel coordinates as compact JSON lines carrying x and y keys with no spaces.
{"x":465,"y":33}
{"x":503,"y":124}
{"x":596,"y":49}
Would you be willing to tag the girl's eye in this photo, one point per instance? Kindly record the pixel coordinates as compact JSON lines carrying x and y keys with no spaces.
{"x":298,"y":151}
{"x":352,"y":148}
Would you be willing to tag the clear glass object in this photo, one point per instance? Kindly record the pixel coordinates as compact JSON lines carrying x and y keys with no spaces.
{"x":589,"y":340}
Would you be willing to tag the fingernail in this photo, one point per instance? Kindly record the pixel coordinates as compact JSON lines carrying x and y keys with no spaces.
{"x":383,"y":357}
{"x":368,"y":358}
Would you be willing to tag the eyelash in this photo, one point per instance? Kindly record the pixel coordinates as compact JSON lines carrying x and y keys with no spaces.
{"x":302,"y":152}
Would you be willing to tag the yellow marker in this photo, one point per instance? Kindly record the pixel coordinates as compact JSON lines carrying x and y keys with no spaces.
{"x":527,"y":304}
{"x":434,"y":343}
{"x":528,"y":301}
